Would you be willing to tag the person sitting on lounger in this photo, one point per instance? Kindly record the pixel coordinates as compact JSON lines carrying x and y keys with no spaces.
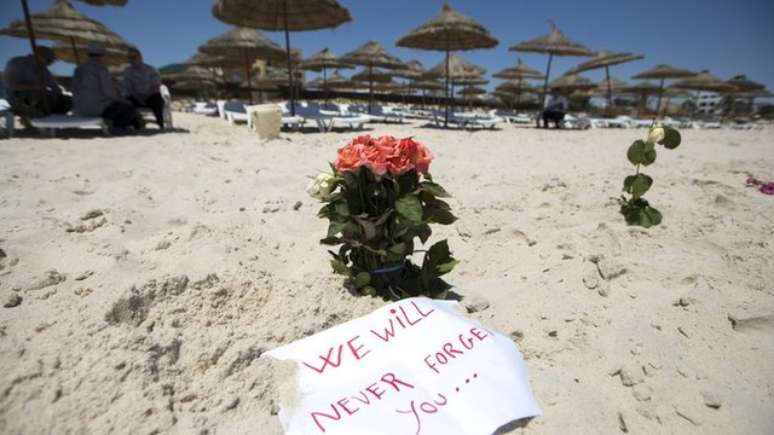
{"x":142,"y":84}
{"x":556,"y":108}
{"x":96,"y":95}
{"x":32,"y":90}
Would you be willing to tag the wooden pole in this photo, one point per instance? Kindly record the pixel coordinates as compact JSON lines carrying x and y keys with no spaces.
{"x":290,"y":63}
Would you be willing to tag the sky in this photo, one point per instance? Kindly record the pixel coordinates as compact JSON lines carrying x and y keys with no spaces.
{"x":726,"y":37}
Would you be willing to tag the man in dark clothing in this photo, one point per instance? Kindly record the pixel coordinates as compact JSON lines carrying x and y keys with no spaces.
{"x":556,"y":108}
{"x":142,"y":85}
{"x":32,"y":90}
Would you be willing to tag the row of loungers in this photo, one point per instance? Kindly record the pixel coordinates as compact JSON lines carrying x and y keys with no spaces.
{"x":53,"y":123}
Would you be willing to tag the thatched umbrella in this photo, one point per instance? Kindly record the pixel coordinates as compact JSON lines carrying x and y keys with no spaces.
{"x":449,"y":31}
{"x":189,"y":74}
{"x":554,"y":44}
{"x":61,"y":22}
{"x":458,"y":71}
{"x":605,"y":59}
{"x":703,"y":81}
{"x":376,"y":75}
{"x":642,"y":90}
{"x":322,"y":61}
{"x":371,"y":55}
{"x":663,"y":72}
{"x":244,"y":43}
{"x":609,"y":86}
{"x":569,"y":83}
{"x":519,"y":73}
{"x":114,"y":56}
{"x":283,"y":15}
{"x":336,"y":80}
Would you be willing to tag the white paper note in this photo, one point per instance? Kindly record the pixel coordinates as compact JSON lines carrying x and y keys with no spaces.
{"x":412,"y":367}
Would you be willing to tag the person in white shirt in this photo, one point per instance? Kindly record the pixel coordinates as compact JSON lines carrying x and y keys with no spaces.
{"x":142,"y":85}
{"x":94,"y":93}
{"x":556,"y":108}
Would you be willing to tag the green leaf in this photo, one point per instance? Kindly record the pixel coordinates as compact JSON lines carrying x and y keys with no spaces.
{"x":409,"y":207}
{"x":341,"y":208}
{"x":362,"y":279}
{"x":424,"y":232}
{"x":432,"y":213}
{"x":331,"y":241}
{"x":636,"y":152}
{"x":334,"y":228}
{"x":649,"y":153}
{"x":671,"y":139}
{"x":398,"y":249}
{"x":369,"y":228}
{"x":434,"y":189}
{"x":652,"y":215}
{"x":637,"y":185}
{"x":447,"y":267}
{"x":339,"y":267}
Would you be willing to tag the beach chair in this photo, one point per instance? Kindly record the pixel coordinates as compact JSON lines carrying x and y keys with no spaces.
{"x":147,"y":114}
{"x":220,"y":104}
{"x":235,"y":111}
{"x":8,"y":116}
{"x":205,"y":108}
{"x":575,"y":123}
{"x":482,"y":120}
{"x":327,"y":121}
{"x":439,"y":119}
{"x":385,"y":114}
{"x":50,"y":124}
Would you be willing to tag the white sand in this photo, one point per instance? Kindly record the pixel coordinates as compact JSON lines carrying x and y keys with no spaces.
{"x":159,"y":308}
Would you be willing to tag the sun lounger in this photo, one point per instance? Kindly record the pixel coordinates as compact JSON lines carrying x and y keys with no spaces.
{"x":235,"y":111}
{"x":147,"y":114}
{"x":220,"y":104}
{"x":385,"y":114}
{"x":575,"y":123}
{"x":60,"y":122}
{"x":205,"y":108}
{"x":7,"y":114}
{"x":327,"y":121}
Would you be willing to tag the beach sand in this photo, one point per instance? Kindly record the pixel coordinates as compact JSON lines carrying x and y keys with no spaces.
{"x":142,"y":277}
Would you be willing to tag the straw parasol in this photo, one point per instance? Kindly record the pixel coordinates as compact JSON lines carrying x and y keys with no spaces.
{"x":742,"y":84}
{"x":555,"y":43}
{"x":609,"y":86}
{"x":449,"y":31}
{"x":283,"y":15}
{"x":322,"y":61}
{"x":519,"y":73}
{"x":245,"y":44}
{"x":471,"y":91}
{"x":189,"y":73}
{"x":336,"y":80}
{"x":571,"y":82}
{"x":61,"y":22}
{"x":372,"y":55}
{"x":704,"y":81}
{"x":376,"y":75}
{"x":605,"y":59}
{"x":458,"y":71}
{"x":663,"y":72}
{"x":114,"y":56}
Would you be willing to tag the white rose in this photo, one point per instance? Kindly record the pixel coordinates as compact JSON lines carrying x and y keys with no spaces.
{"x":656,"y":134}
{"x":320,"y":187}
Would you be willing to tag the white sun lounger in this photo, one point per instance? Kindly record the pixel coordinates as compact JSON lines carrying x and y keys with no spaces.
{"x":148,"y":115}
{"x":205,"y":108}
{"x":235,"y":111}
{"x":327,"y":121}
{"x":60,"y":122}
{"x":10,"y":121}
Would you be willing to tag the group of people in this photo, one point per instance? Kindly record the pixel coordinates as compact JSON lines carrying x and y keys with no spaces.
{"x":33,"y":92}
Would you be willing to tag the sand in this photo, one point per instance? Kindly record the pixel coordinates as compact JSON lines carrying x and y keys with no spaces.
{"x":142,"y":277}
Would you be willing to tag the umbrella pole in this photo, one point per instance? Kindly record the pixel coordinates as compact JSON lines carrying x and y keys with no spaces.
{"x":446,"y":109}
{"x":370,"y":88}
{"x":34,"y":46}
{"x":658,"y":102}
{"x":247,"y":76}
{"x":325,"y":88}
{"x":545,"y":87}
{"x":75,"y":51}
{"x":290,"y":63}
{"x":609,"y":92}
{"x":518,"y":96}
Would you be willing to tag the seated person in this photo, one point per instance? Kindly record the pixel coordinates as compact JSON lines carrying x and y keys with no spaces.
{"x":32,"y":90}
{"x":141,"y":86}
{"x":95,"y":94}
{"x":556,"y":108}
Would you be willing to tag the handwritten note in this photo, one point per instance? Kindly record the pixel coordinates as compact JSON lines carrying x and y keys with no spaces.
{"x":412,"y":367}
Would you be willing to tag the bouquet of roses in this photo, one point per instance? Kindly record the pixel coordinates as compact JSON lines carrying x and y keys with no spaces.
{"x":379,"y":198}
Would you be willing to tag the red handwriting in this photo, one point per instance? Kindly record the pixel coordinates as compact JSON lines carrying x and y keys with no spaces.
{"x":428,"y":407}
{"x":425,"y":407}
{"x":330,"y":361}
{"x":348,"y":405}
{"x":404,"y":317}
{"x":452,"y":350}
